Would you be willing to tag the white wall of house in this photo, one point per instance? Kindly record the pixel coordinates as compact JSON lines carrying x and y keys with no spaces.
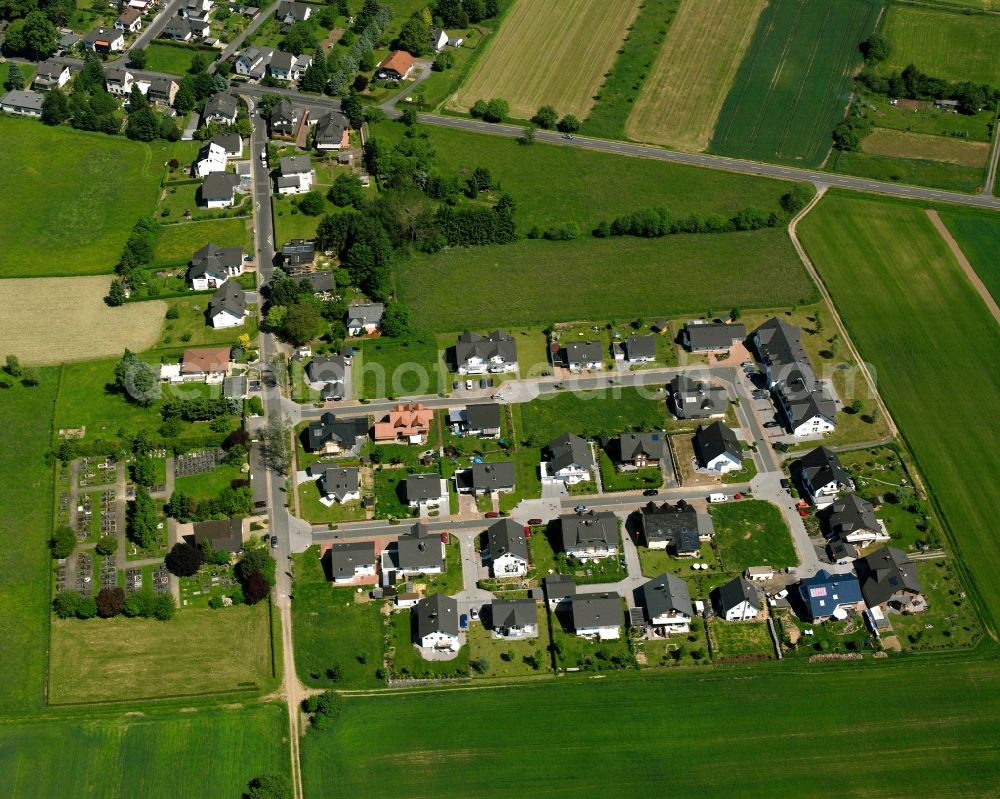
{"x":601,"y":633}
{"x":226,"y":319}
{"x":585,"y":554}
{"x":350,"y":496}
{"x":439,"y":641}
{"x":723,"y":464}
{"x":516,"y":633}
{"x":814,"y":426}
{"x":673,"y":623}
{"x":570,"y":475}
{"x":508,"y":565}
{"x":741,"y":612}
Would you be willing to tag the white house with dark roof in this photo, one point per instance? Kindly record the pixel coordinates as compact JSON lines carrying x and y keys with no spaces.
{"x":822,"y":477}
{"x":559,"y":590}
{"x":284,"y":118}
{"x":25,"y":103}
{"x":481,"y":419}
{"x":852,"y":520}
{"x":364,"y":318}
{"x":567,"y":459}
{"x":51,"y":74}
{"x":331,"y":131}
{"x":351,"y":561}
{"x":679,"y":528}
{"x":118,"y":80}
{"x":211,"y":158}
{"x":332,"y":436}
{"x":288,"y":66}
{"x":199,"y":10}
{"x":222,"y":108}
{"x":486,"y":478}
{"x":640,"y":349}
{"x":579,"y":355}
{"x":514,"y":619}
{"x":211,"y":266}
{"x":590,"y":536}
{"x":218,"y":190}
{"x":104,"y":40}
{"x":737,"y":600}
{"x":130,"y":21}
{"x":295,"y":174}
{"x":667,"y":603}
{"x":339,"y":484}
{"x":494,"y":353}
{"x":252,"y":62}
{"x":436,"y":623}
{"x":228,"y":306}
{"x":178,"y":30}
{"x":426,"y":491}
{"x":704,"y":336}
{"x":417,"y":551}
{"x":439,"y":39}
{"x":717,"y":449}
{"x":289,"y":13}
{"x":694,"y":399}
{"x":508,"y":547}
{"x":597,"y":616}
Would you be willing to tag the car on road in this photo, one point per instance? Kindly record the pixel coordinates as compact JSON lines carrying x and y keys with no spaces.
{"x":772,"y":424}
{"x":497,"y":396}
{"x":580,"y":509}
{"x":650,"y":492}
{"x":274,"y":542}
{"x":468,"y":385}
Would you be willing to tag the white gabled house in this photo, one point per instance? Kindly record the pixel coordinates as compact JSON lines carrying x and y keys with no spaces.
{"x":508,"y":549}
{"x":211,"y":158}
{"x":567,"y":459}
{"x":228,"y":306}
{"x":667,"y":602}
{"x":597,"y":616}
{"x":514,"y":619}
{"x":295,"y":174}
{"x":737,"y":600}
{"x":717,"y":449}
{"x":352,"y":561}
{"x":436,"y":624}
{"x":822,"y":477}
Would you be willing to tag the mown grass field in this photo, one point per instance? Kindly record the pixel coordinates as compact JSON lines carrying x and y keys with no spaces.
{"x":897,"y":143}
{"x":911,"y":314}
{"x":65,"y":214}
{"x":53,"y":320}
{"x":794,"y":81}
{"x":752,"y":533}
{"x":694,"y":70}
{"x":916,"y":171}
{"x":196,"y":652}
{"x":590,"y":414}
{"x":534,"y":282}
{"x":175,"y":244}
{"x":162,"y":57}
{"x":978,"y":234}
{"x":372,"y":748}
{"x":202,"y":753}
{"x":553,"y":53}
{"x":26,"y":506}
{"x":943,"y":43}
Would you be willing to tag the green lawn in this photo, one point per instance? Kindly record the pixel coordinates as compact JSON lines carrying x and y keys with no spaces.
{"x":66,"y":214}
{"x":590,"y":414}
{"x":210,"y":484}
{"x":573,"y":652}
{"x":26,"y":506}
{"x":613,"y":480}
{"x":918,"y":171}
{"x":181,"y":198}
{"x":390,"y":494}
{"x":742,"y":640}
{"x":909,"y":310}
{"x":752,"y":533}
{"x":389,"y":367}
{"x":618,"y":278}
{"x":793,"y":84}
{"x":170,"y":58}
{"x":372,"y":750}
{"x":205,"y":752}
{"x":406,"y":660}
{"x":191,"y":329}
{"x":978,"y":234}
{"x":950,"y":619}
{"x":289,"y":225}
{"x":27,"y":70}
{"x":175,"y":244}
{"x":332,"y":630}
{"x":511,"y":658}
{"x":315,"y":511}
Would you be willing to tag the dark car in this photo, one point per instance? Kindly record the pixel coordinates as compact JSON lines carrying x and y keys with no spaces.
{"x":772,"y":424}
{"x":492,"y":515}
{"x":484,"y":383}
{"x":650,"y":492}
{"x":781,"y":446}
{"x":535,"y":522}
{"x":274,"y":542}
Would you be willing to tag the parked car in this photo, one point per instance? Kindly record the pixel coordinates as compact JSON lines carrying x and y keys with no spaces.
{"x":274,"y":542}
{"x":772,"y":424}
{"x":455,"y":385}
{"x":463,"y":622}
{"x":650,"y":492}
{"x":497,"y":396}
{"x":484,"y":383}
{"x":717,"y":497}
{"x":580,"y":509}
{"x":535,"y":522}
{"x":781,"y":446}
{"x":475,"y":613}
{"x":785,"y":483}
{"x":468,"y":385}
{"x":492,"y":515}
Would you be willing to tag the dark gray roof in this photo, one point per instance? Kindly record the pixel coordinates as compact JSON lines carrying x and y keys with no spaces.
{"x":367,"y":313}
{"x":230,"y":142}
{"x":235,"y":387}
{"x":584,"y":529}
{"x":849,"y":514}
{"x":584,"y":352}
{"x":499,"y":343}
{"x":326,"y":369}
{"x":115,"y":72}
{"x":221,"y":104}
{"x":330,"y":428}
{"x":837,"y":549}
{"x":634,"y":445}
{"x":696,"y":400}
{"x":513,"y":613}
{"x":805,"y":396}
{"x":283,"y":111}
{"x":295,"y":165}
{"x":419,"y":549}
{"x":219,"y":186}
{"x":282,"y":61}
{"x":178,"y":26}
{"x":674,"y":524}
{"x":885,"y":573}
{"x":506,"y":537}
{"x":224,"y":534}
{"x":640,"y":347}
{"x":437,"y":613}
{"x":568,"y":450}
{"x":100,"y":33}
{"x":779,"y":343}
{"x":297,"y":252}
{"x":712,"y":335}
{"x":344,"y":557}
{"x":320,"y":281}
{"x":665,"y":594}
{"x":25,"y":99}
{"x":734,"y":592}
{"x":293,"y":10}
{"x":330,"y":128}
{"x":485,"y":416}
{"x":228,"y":297}
{"x":821,"y":466}
{"x":161,"y":86}
{"x":714,"y":440}
{"x":597,"y":610}
{"x":489,"y":476}
{"x":338,"y":481}
{"x":559,"y":586}
{"x":423,"y":486}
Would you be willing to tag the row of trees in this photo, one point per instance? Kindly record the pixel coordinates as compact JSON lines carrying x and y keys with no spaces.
{"x":200,"y":409}
{"x":656,"y":222}
{"x":547,"y":117}
{"x":233,"y":502}
{"x":136,"y":254}
{"x":913,"y":84}
{"x":111,"y":602}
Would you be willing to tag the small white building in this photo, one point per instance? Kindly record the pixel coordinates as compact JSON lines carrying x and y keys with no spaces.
{"x":737,"y":600}
{"x":597,"y":616}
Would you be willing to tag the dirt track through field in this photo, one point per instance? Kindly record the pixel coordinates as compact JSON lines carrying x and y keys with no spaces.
{"x":970,"y":273}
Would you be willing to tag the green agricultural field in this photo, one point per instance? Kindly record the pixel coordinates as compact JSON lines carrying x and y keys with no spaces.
{"x":752,"y":533}
{"x":915,"y":171}
{"x":163,"y":57}
{"x":943,"y":43}
{"x":794,"y":81}
{"x":67,"y":215}
{"x":372,"y":750}
{"x":909,"y":310}
{"x":554,"y":185}
{"x":176,"y":243}
{"x":978,"y":234}
{"x":26,"y":505}
{"x":619,"y":278}
{"x":590,"y":413}
{"x":204,"y":752}
{"x":122,"y":659}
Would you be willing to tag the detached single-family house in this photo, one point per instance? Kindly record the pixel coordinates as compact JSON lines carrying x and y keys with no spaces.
{"x":436,"y":620}
{"x":514,"y":619}
{"x":252,"y":62}
{"x":178,"y":30}
{"x":889,"y":579}
{"x":218,"y":190}
{"x":352,"y":561}
{"x":130,"y":21}
{"x":668,"y":604}
{"x":287,"y":66}
{"x":284,"y":118}
{"x":508,"y":548}
{"x":679,"y":528}
{"x":637,"y":450}
{"x":590,"y":536}
{"x":396,"y":66}
{"x":429,"y":490}
{"x":104,"y":40}
{"x":407,"y":423}
{"x":228,"y":305}
{"x":298,"y":254}
{"x":332,"y":436}
{"x":597,"y":616}
{"x":118,"y":80}
{"x":25,"y":103}
{"x":339,"y":484}
{"x":332,"y":132}
{"x":224,"y":534}
{"x":222,"y":108}
{"x":329,"y":376}
{"x":559,"y":590}
{"x":199,"y":10}
{"x":162,"y":91}
{"x":640,"y":349}
{"x":419,"y":552}
{"x":211,"y":266}
{"x":52,"y":74}
{"x":852,"y":519}
{"x":289,"y":13}
{"x":295,"y":174}
{"x":693,"y":399}
{"x":705,"y":336}
{"x":364,"y":318}
{"x":231,"y":143}
{"x":206,"y":364}
{"x":567,"y":459}
{"x":806,"y":405}
{"x":737,"y":600}
{"x":717,"y":449}
{"x":580,"y":355}
{"x":826,"y":595}
{"x":482,"y":420}
{"x":211,"y":158}
{"x":485,"y":478}
{"x":236,"y":387}
{"x":477,"y":355}
{"x":822,"y":477}
{"x":439,"y":39}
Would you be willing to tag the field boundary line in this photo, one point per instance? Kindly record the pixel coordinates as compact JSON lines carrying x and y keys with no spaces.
{"x":963,"y":262}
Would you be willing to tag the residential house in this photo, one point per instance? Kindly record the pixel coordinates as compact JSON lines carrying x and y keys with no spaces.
{"x":679,"y":528}
{"x":597,"y":616}
{"x":129,"y":21}
{"x":485,"y":478}
{"x":252,"y":63}
{"x":590,"y":536}
{"x":332,"y":132}
{"x":841,"y":552}
{"x":481,"y":419}
{"x":222,"y":108}
{"x":51,"y":74}
{"x":295,"y":174}
{"x":339,"y":484}
{"x":199,"y":10}
{"x":236,"y":387}
{"x":289,"y":13}
{"x":427,"y":490}
{"x":514,"y":619}
{"x":218,"y":190}
{"x":178,"y":29}
{"x":351,"y":561}
{"x":704,"y":336}
{"x":717,"y":449}
{"x":364,"y":318}
{"x":298,"y":254}
{"x":822,"y":477}
{"x":826,"y":595}
{"x":329,"y":376}
{"x":67,"y":41}
{"x":162,"y":91}
{"x":580,"y":355}
{"x":559,"y":590}
{"x":224,"y":534}
{"x":287,"y":66}
{"x":494,"y":353}
{"x":852,"y":519}
{"x":332,"y":436}
{"x":321,"y":283}
{"x":104,"y":40}
{"x":206,"y":364}
{"x":737,"y":600}
{"x":24,"y":103}
{"x":508,"y":548}
{"x":668,"y":604}
{"x":142,"y":6}
{"x":211,"y":266}
{"x":407,"y":423}
{"x":637,"y":450}
{"x":640,"y":349}
{"x":759,"y":574}
{"x":889,"y":579}
{"x":118,"y":80}
{"x":284,"y":118}
{"x":439,"y":39}
{"x":567,"y":459}
{"x":436,"y":619}
{"x":396,"y":66}
{"x":693,"y":399}
{"x":228,"y":305}
{"x":231,"y":143}
{"x":211,"y":158}
{"x":419,"y":552}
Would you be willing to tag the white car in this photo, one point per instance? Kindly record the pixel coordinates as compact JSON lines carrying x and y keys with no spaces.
{"x":468,"y":385}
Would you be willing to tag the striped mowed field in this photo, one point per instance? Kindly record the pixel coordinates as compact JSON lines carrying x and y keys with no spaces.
{"x":903,"y":144}
{"x":549,"y":52}
{"x":685,"y":90}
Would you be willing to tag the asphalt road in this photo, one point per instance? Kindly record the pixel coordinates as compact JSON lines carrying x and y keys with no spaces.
{"x":157,"y":24}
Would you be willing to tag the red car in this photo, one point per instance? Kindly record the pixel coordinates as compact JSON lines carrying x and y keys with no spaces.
{"x":492,"y":515}
{"x":535,"y":522}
